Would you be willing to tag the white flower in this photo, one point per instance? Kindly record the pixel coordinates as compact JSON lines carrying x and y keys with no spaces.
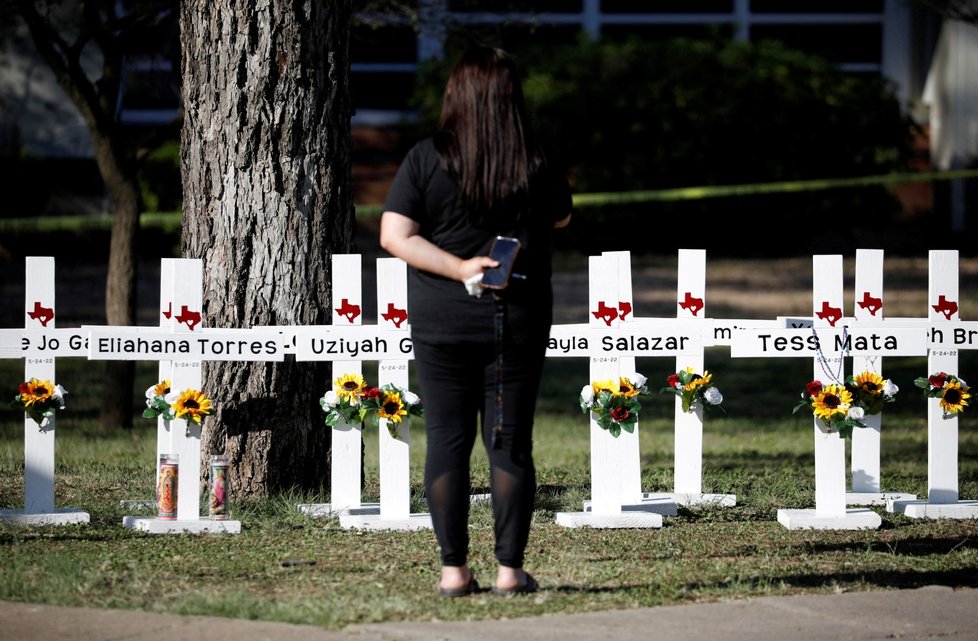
{"x":150,"y":393}
{"x":890,"y":388}
{"x":961,"y":380}
{"x":410,"y":397}
{"x":58,"y":396}
{"x":172,"y":397}
{"x":587,"y":395}
{"x":856,"y":413}
{"x":713,"y":396}
{"x":330,"y":399}
{"x":637,"y":379}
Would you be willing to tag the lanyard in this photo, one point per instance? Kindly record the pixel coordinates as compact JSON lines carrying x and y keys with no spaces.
{"x":500,"y":322}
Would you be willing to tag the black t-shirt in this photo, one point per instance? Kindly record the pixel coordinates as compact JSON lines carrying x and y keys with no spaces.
{"x":439,"y":309}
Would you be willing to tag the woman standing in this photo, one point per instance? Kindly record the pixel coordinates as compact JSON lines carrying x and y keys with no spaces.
{"x":478,"y":351}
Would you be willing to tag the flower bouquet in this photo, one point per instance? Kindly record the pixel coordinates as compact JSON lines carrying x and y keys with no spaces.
{"x":694,"y":390}
{"x":840,"y":408}
{"x":39,"y":399}
{"x":191,"y":404}
{"x":614,"y":403}
{"x":953,"y":391}
{"x":353,"y":401}
{"x":871,"y":392}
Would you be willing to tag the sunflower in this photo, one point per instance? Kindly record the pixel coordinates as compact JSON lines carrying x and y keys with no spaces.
{"x":350,"y":387}
{"x":832,"y":402}
{"x":192,"y":405}
{"x":605,"y":386}
{"x":954,"y":397}
{"x":392,"y":407}
{"x":162,"y":388}
{"x":699,"y":381}
{"x":869,"y":383}
{"x":626,"y":388}
{"x":35,"y":391}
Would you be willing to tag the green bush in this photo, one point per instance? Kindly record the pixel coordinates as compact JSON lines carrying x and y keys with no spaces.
{"x":660,"y":114}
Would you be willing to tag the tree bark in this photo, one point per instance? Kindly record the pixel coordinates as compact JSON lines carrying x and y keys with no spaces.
{"x":265,"y":158}
{"x":120,"y":281}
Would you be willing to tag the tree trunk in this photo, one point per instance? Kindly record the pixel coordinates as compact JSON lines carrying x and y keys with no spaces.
{"x":120,"y":281}
{"x":267,"y":200}
{"x":96,"y":104}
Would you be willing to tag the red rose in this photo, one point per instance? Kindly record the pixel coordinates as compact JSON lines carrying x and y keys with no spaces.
{"x":938,"y":380}
{"x":620,"y":414}
{"x":673,"y":380}
{"x":813,"y":388}
{"x":371,"y":392}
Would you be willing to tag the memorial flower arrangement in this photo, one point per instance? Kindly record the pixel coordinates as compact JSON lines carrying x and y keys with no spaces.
{"x":842,"y":407}
{"x":353,"y":401}
{"x":156,"y":403}
{"x":953,"y":392}
{"x":39,"y":399}
{"x":695,"y":390}
{"x":614,"y":404}
{"x":190,"y":405}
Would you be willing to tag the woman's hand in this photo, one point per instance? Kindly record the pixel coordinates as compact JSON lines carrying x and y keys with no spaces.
{"x":475,"y":265}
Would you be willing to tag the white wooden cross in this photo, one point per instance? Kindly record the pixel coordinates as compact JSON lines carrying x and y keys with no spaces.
{"x":688,"y":426}
{"x":395,"y":486}
{"x":346,"y":444}
{"x":38,"y":344}
{"x":947,"y":336}
{"x":865,"y":447}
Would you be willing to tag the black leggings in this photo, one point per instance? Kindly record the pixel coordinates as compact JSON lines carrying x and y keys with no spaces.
{"x":458,"y":381}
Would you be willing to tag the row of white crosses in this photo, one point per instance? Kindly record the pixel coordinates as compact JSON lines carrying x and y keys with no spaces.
{"x":611,"y":341}
{"x":831,"y":339}
{"x":338,"y":342}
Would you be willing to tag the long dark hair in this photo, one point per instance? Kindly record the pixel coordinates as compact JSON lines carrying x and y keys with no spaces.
{"x":484,"y":137}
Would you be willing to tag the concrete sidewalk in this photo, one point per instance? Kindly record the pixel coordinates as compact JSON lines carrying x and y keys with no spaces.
{"x":931,"y":613}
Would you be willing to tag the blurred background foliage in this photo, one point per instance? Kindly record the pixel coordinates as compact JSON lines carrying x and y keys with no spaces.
{"x":648,"y":114}
{"x":661,"y":114}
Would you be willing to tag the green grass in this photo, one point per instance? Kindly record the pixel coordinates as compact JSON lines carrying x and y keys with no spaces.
{"x":287,"y":567}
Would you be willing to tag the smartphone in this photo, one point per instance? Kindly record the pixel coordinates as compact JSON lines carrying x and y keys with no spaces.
{"x":504,"y":250}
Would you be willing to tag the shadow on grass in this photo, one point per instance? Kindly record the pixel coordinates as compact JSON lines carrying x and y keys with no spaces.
{"x":920,"y":546}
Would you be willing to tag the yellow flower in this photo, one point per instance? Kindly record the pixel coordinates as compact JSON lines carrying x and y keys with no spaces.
{"x":870,"y":383}
{"x":954,"y":397}
{"x":35,"y":391}
{"x":604,"y":386}
{"x":698,"y":381}
{"x":832,"y":402}
{"x":192,"y":405}
{"x":392,"y":407}
{"x":162,"y":388}
{"x":350,"y":386}
{"x":625,"y":388}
